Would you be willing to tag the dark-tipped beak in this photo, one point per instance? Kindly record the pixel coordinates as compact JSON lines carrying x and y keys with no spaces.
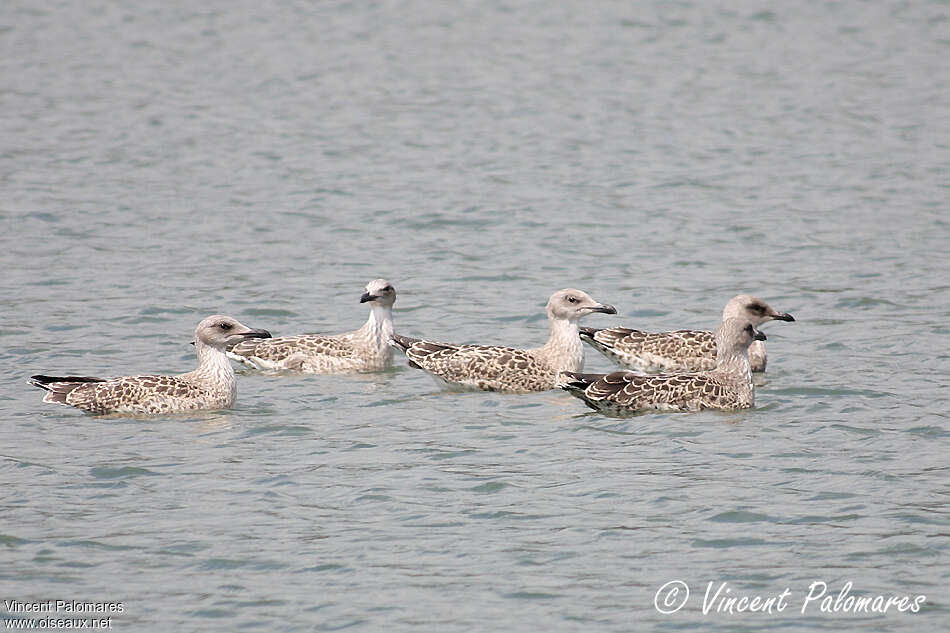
{"x":257,"y":334}
{"x":784,"y":316}
{"x":759,"y":336}
{"x":367,"y":297}
{"x":603,"y":307}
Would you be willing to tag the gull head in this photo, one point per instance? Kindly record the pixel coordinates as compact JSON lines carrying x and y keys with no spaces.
{"x":222,"y":332}
{"x":735,"y":335}
{"x":380,"y":292}
{"x":754,"y":310}
{"x":571,"y":304}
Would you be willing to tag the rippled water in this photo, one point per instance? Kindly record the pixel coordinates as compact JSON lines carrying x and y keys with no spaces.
{"x":161,"y":161}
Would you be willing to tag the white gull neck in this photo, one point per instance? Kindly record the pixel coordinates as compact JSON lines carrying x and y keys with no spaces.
{"x":564,"y":350}
{"x":214,"y":371}
{"x":733,"y":361}
{"x":733,"y":364}
{"x":377,"y":331}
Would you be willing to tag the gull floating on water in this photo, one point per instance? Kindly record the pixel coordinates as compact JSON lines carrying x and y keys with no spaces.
{"x":365,"y":349}
{"x":210,"y":386}
{"x":727,"y":387}
{"x":494,"y":368}
{"x":681,"y":350}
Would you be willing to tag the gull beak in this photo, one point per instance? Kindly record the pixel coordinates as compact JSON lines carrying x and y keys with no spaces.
{"x":603,"y":307}
{"x":759,"y":336}
{"x":256,"y":334}
{"x":367,"y":297}
{"x":784,"y":316}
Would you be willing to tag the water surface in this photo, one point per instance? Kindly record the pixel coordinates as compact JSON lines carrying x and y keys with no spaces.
{"x":163,"y":161}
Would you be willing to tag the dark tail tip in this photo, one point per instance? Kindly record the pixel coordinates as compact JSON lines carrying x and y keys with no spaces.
{"x":574,"y":381}
{"x":589,"y":332}
{"x":402,"y":342}
{"x":42,"y":381}
{"x":39,"y":381}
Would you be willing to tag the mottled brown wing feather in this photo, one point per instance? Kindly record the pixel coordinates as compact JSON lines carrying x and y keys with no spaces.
{"x":277,"y":349}
{"x":686,"y":350}
{"x":483,"y":366}
{"x":133,"y":392}
{"x":676,"y":344}
{"x":646,"y":391}
{"x":627,"y":391}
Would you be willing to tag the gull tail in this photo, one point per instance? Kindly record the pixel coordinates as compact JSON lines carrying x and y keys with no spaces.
{"x":58,"y":387}
{"x":402,"y":342}
{"x":574,"y":382}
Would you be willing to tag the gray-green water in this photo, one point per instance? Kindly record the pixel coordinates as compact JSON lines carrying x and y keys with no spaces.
{"x":161,"y":161}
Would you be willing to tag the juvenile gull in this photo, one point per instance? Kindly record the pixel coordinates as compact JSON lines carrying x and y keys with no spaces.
{"x":365,"y":349}
{"x":493,"y":368}
{"x":727,"y":387}
{"x":681,"y":350}
{"x":210,"y":386}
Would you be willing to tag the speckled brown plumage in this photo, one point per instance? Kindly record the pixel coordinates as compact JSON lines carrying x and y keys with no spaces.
{"x":681,"y":350}
{"x":486,"y":367}
{"x":133,"y":394}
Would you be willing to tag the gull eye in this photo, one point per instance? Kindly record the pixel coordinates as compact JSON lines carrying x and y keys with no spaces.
{"x":757,"y":307}
{"x":571,"y":299}
{"x":225,"y":326}
{"x":387,"y":289}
